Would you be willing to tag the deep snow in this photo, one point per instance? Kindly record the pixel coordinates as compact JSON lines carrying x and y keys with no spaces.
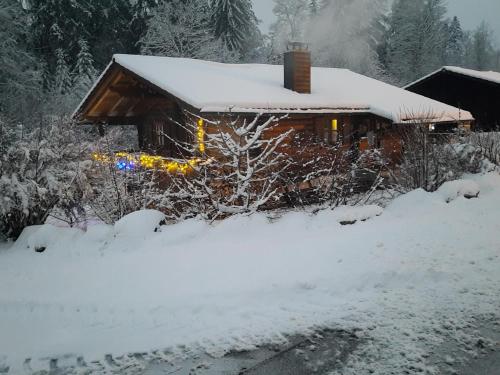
{"x":244,"y":281}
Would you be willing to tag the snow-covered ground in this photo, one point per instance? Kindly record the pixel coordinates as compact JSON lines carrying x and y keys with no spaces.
{"x":405,"y":275}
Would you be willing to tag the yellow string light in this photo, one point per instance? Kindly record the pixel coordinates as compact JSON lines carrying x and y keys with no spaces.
{"x":200,"y":135}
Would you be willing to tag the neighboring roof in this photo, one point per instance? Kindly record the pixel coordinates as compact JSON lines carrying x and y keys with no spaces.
{"x":489,"y":76}
{"x":215,"y":87}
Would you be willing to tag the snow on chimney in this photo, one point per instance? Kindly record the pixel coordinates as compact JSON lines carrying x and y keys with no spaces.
{"x":298,"y":68}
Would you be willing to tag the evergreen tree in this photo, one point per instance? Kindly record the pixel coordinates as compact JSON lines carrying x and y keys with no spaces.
{"x":58,"y":25}
{"x":63,"y":81}
{"x":432,"y":37}
{"x":313,"y":7}
{"x":84,"y":72}
{"x":482,"y":50}
{"x":61,"y":24}
{"x":111,"y":31}
{"x":234,"y":22}
{"x":19,"y":73}
{"x":142,"y":11}
{"x":415,"y":38}
{"x":455,"y":43}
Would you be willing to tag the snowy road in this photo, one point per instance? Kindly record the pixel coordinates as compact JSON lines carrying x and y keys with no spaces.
{"x":116,"y":299}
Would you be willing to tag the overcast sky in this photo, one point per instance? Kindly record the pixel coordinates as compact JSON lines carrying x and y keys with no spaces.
{"x":470,"y":12}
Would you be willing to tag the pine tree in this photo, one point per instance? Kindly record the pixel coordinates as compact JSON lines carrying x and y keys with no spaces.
{"x":84,"y":72}
{"x":63,"y":81}
{"x":415,"y":38}
{"x":432,"y":36}
{"x":19,"y":73}
{"x":313,"y":7}
{"x":142,"y":11}
{"x":58,"y":25}
{"x":455,"y":43}
{"x":111,"y":30}
{"x":61,"y":24}
{"x":234,"y":22}
{"x":483,"y":52}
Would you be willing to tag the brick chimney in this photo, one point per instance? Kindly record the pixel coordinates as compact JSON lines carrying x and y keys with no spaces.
{"x":298,"y":68}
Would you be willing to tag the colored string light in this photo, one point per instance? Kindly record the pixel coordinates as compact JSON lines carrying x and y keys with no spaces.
{"x":128,"y":161}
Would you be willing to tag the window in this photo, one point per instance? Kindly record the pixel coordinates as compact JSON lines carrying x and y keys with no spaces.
{"x":331,"y":132}
{"x":334,"y":128}
{"x":159,"y":132}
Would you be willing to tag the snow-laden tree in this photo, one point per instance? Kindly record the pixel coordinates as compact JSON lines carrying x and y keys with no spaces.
{"x":345,"y":34}
{"x":455,"y":47}
{"x":84,"y":73}
{"x":142,"y":11}
{"x":433,"y":36}
{"x":234,"y":22}
{"x":106,"y":25}
{"x":480,"y":53}
{"x":415,"y":38}
{"x":182,"y":29}
{"x":63,"y":82}
{"x":40,"y":170}
{"x":314,"y":7}
{"x":19,"y":74}
{"x":57,"y":25}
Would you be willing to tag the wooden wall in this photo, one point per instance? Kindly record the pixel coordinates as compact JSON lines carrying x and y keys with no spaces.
{"x":355,"y":132}
{"x":480,"y":97}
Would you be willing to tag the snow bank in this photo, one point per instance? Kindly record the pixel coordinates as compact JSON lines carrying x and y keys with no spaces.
{"x":246,"y":280}
{"x":451,"y":190}
{"x":351,"y":215}
{"x":139,"y":223}
{"x":41,"y":237}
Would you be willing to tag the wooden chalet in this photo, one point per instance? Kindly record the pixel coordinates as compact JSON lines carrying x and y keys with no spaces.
{"x":160,"y":94}
{"x":475,"y":91}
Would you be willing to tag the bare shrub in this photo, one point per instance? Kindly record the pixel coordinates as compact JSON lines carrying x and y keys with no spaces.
{"x":114,"y":192}
{"x":430,"y":158}
{"x":242,"y":176}
{"x":489,"y":144}
{"x":330,"y":174}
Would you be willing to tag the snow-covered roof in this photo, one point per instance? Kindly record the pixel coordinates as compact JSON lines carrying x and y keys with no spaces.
{"x":217,"y":87}
{"x":490,"y":75}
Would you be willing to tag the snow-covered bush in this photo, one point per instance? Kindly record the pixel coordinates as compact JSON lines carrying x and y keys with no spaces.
{"x":40,"y":170}
{"x":139,"y":223}
{"x":451,"y":190}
